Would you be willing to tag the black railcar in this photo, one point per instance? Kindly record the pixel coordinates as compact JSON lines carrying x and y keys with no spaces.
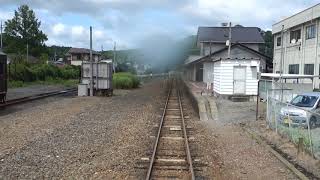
{"x":3,"y":77}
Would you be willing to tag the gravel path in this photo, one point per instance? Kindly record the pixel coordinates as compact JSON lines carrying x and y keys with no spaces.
{"x":100,"y":138}
{"x":14,"y":93}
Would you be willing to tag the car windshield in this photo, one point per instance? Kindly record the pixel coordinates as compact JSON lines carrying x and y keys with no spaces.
{"x":304,"y":101}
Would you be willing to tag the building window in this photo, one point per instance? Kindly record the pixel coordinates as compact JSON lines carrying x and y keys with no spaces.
{"x":294,"y":69}
{"x":311,"y":31}
{"x":309,"y":69}
{"x":278,"y":41}
{"x":78,"y":56}
{"x":296,"y":35}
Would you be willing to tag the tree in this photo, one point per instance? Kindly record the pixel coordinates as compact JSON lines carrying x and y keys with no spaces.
{"x":267,"y":48}
{"x":23,"y":29}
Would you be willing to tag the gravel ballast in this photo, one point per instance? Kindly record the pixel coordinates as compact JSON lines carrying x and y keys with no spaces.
{"x":99,"y":137}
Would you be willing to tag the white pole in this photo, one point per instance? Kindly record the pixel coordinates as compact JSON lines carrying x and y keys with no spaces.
{"x":91,"y":64}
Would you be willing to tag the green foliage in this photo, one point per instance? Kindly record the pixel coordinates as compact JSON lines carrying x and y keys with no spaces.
{"x":125,"y":81}
{"x":42,"y":72}
{"x":267,"y":48}
{"x":23,"y":29}
{"x":44,"y":58}
{"x":15,"y":84}
{"x":58,"y":51}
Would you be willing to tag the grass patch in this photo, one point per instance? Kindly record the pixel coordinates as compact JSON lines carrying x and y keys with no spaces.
{"x":125,"y":81}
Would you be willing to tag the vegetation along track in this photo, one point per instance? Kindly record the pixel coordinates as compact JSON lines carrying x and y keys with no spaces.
{"x":36,"y":97}
{"x":171,"y":158}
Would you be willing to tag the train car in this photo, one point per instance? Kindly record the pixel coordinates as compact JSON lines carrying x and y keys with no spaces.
{"x":3,"y":77}
{"x":102,"y":77}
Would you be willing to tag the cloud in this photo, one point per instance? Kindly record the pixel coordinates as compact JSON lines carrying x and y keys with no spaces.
{"x":58,"y":29}
{"x":76,"y":36}
{"x":129,"y":22}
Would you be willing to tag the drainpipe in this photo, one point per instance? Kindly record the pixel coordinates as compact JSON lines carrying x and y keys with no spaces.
{"x":316,"y":66}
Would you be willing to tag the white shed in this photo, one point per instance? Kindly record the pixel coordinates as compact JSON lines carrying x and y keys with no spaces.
{"x":235,"y":77}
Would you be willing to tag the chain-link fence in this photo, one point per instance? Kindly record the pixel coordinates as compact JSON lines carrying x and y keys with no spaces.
{"x":281,"y":91}
{"x":299,"y":122}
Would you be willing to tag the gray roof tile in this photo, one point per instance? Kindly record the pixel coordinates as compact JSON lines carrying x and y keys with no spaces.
{"x":239,"y":34}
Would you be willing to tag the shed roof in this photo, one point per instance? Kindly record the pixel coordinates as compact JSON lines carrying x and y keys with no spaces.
{"x":239,"y":34}
{"x":204,"y":58}
{"x":81,"y":51}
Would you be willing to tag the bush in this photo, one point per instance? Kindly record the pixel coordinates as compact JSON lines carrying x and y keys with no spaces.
{"x":41,"y":72}
{"x":15,"y":84}
{"x":125,"y":81}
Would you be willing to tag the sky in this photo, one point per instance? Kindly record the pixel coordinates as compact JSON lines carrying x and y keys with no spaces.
{"x":130,"y":23}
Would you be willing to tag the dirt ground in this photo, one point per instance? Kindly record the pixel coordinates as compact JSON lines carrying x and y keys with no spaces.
{"x":78,"y":137}
{"x":229,"y":153}
{"x":244,"y":112}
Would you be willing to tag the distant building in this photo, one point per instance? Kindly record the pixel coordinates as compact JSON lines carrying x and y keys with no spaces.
{"x":75,"y":56}
{"x":299,"y":45}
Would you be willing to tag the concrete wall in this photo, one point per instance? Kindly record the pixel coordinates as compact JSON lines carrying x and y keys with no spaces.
{"x":217,"y":77}
{"x":305,"y":52}
{"x":208,"y":75}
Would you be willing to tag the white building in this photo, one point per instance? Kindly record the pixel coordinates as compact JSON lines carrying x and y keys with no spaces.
{"x":236,"y":75}
{"x":228,"y":75}
{"x":298,"y":44}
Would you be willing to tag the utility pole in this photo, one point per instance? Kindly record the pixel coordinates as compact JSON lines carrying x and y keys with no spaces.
{"x":27,"y":52}
{"x":230,"y":34}
{"x":55,"y":54}
{"x":114,"y":51}
{"x":1,"y":45}
{"x":114,"y":55}
{"x":281,"y":62}
{"x":91,"y":64}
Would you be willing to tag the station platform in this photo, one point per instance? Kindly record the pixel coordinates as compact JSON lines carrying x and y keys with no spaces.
{"x":204,"y":102}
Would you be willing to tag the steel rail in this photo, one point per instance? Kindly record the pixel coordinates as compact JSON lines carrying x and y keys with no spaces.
{"x":158,"y":135}
{"x":35,"y":97}
{"x":186,"y":143}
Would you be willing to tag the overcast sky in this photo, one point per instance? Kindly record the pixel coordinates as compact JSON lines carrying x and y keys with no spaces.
{"x":131,"y":22}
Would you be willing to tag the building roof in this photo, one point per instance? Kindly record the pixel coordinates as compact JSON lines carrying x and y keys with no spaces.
{"x":238,"y":34}
{"x":81,"y":51}
{"x":204,"y":58}
{"x":298,"y":18}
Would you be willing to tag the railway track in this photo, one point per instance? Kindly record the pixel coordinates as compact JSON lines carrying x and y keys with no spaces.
{"x":171,"y":158}
{"x":36,"y":97}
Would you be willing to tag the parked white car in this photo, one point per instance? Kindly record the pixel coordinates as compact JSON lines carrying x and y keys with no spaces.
{"x":302,"y":109}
